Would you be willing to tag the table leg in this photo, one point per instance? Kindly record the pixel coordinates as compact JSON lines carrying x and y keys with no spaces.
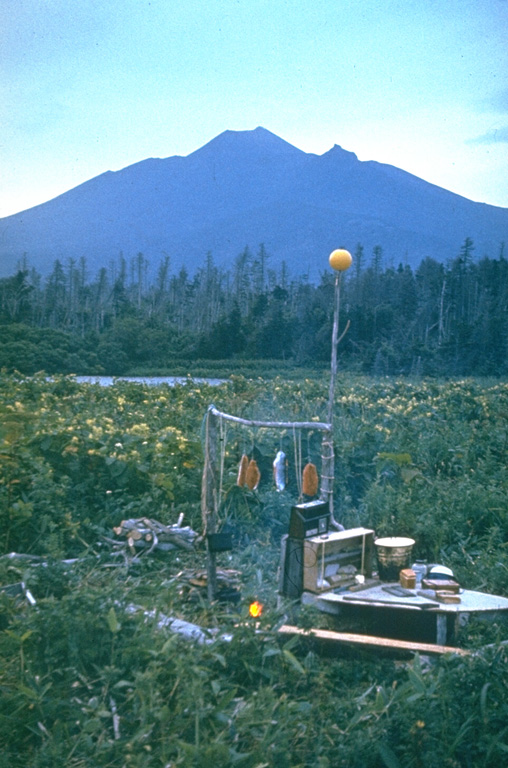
{"x":441,"y":632}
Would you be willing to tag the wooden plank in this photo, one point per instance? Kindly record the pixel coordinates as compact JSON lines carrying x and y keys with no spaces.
{"x":379,"y":602}
{"x":349,"y":638}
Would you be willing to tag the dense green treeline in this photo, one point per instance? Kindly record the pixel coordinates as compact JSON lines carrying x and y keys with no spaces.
{"x":438,"y":319}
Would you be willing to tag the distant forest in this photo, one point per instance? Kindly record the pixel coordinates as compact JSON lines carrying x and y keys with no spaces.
{"x":440,"y":319}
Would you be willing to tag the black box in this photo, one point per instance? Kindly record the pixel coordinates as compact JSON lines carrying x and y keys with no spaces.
{"x":309,"y":519}
{"x":291,"y":572}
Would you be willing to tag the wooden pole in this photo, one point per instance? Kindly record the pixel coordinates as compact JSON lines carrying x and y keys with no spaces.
{"x":328,"y":452}
{"x":335,"y":335}
{"x":328,"y":455}
{"x":327,"y":470}
{"x":209,"y":499}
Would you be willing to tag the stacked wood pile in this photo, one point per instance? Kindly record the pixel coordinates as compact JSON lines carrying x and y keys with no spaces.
{"x":144,"y":535}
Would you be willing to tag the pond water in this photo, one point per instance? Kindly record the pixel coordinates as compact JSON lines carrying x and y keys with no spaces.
{"x":152,"y":381}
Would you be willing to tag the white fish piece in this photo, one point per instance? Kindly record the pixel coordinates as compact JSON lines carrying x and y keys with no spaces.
{"x":279,"y":470}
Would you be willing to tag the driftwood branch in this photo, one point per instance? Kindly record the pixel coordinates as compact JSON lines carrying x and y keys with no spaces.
{"x":270,"y":424}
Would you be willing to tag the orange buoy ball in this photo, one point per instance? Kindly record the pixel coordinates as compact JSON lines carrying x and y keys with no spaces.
{"x":340,"y":259}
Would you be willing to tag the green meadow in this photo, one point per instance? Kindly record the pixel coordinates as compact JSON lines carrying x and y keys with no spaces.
{"x":87,"y":681}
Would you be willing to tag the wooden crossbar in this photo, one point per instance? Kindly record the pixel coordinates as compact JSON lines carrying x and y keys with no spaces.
{"x":271,"y":424}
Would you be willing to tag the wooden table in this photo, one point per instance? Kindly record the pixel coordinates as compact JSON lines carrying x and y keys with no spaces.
{"x":408,"y":616}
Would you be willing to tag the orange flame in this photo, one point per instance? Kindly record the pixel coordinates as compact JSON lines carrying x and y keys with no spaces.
{"x":255,"y":609}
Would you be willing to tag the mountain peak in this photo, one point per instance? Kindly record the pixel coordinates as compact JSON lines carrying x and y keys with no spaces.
{"x":249,"y":142}
{"x":344,"y":154}
{"x":250,"y":187}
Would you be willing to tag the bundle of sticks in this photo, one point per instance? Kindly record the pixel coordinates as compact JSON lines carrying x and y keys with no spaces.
{"x":194,"y":582}
{"x":226,"y":577}
{"x":145,"y":534}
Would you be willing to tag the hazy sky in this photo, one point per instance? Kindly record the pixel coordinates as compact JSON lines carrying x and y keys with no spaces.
{"x":94,"y":85}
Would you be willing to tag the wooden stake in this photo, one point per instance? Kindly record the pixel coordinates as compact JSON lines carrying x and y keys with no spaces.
{"x":209,"y":496}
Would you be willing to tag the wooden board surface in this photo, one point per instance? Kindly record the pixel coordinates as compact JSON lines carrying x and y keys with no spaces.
{"x":372,"y":641}
{"x":377,"y":596}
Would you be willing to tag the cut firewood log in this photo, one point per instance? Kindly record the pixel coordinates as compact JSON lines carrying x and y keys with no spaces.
{"x":149,"y":535}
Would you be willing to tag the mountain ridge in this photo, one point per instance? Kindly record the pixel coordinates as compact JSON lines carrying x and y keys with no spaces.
{"x":247,"y":188}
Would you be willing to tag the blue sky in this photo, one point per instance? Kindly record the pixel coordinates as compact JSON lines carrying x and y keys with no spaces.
{"x":95,"y":85}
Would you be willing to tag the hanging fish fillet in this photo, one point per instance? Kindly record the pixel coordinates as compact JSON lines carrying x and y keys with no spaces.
{"x":242,"y":471}
{"x":252,"y":476}
{"x":279,"y":470}
{"x":310,"y":480}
